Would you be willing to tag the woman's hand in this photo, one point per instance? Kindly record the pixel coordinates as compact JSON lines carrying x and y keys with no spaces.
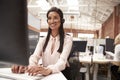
{"x":18,"y":69}
{"x":45,"y":71}
{"x":35,"y":70}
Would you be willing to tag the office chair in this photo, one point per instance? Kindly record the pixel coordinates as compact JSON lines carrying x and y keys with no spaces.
{"x":76,"y":69}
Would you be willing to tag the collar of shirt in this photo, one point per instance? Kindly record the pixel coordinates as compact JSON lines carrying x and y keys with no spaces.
{"x":57,"y":37}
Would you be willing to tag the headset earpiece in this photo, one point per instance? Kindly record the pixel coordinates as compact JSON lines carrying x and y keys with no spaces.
{"x":63,"y":20}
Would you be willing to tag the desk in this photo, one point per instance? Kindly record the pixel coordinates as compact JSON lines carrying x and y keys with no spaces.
{"x":6,"y":74}
{"x":95,"y":59}
{"x":100,"y":59}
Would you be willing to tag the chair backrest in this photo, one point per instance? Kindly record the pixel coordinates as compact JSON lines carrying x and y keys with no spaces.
{"x":71,"y":52}
{"x":74,"y":63}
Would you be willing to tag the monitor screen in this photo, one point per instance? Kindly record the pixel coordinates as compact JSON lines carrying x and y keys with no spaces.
{"x":109,"y":45}
{"x":80,"y":46}
{"x":13,"y":32}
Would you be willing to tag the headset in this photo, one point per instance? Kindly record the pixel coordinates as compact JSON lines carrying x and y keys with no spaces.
{"x":62,"y":20}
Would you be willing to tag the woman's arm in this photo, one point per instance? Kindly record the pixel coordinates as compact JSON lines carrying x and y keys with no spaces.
{"x":33,"y":60}
{"x":34,"y":67}
{"x":117,"y":53}
{"x":116,"y":60}
{"x":35,"y":57}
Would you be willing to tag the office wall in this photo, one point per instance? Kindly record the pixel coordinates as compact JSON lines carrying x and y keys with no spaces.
{"x":33,"y":21}
{"x":108,"y":27}
{"x":111,"y":27}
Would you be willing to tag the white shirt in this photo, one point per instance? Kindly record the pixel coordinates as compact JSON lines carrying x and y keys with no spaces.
{"x":117,"y":53}
{"x":55,"y":61}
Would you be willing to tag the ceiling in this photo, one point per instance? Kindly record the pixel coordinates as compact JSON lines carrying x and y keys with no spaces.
{"x":78,"y":14}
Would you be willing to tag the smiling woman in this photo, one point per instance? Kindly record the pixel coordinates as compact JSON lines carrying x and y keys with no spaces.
{"x":53,"y":50}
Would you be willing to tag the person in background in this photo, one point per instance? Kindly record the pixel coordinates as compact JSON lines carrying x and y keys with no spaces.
{"x":116,"y":62}
{"x":52,"y":51}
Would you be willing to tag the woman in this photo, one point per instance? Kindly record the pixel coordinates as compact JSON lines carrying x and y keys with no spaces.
{"x":116,"y":62}
{"x":52,"y":50}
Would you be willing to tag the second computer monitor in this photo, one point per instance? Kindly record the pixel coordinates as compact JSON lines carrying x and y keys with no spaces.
{"x":80,"y":46}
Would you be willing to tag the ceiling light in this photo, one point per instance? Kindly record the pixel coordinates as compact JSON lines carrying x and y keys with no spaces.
{"x":73,"y":4}
{"x":43,"y":4}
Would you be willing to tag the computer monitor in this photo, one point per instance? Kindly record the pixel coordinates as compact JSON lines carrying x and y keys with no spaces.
{"x":14,"y":46}
{"x":109,"y":45}
{"x":80,"y":46}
